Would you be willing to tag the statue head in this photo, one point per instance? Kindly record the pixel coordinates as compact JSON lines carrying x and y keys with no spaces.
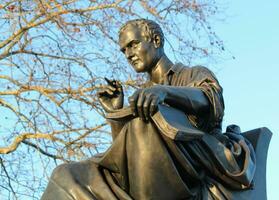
{"x":142,"y":42}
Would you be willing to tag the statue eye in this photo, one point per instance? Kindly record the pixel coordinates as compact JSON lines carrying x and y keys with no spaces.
{"x":135,"y":44}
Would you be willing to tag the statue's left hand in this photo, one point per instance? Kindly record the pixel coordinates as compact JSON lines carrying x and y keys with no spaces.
{"x":144,"y":102}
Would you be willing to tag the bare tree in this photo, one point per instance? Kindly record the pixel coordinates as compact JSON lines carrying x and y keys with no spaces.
{"x":53,"y":57}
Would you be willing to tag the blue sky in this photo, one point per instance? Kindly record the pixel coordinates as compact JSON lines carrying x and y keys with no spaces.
{"x":250,"y":82}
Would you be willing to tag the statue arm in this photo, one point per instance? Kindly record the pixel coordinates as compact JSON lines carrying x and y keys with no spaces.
{"x":188,"y":99}
{"x":191,"y":100}
{"x":199,"y":96}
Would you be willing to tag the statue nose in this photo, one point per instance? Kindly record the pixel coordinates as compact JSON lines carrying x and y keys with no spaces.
{"x":129,"y":53}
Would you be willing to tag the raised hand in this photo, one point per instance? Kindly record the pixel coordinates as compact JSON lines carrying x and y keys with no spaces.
{"x":111,"y":95}
{"x":144,"y":102}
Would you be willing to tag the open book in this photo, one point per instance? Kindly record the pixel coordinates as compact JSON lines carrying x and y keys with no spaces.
{"x":170,"y":121}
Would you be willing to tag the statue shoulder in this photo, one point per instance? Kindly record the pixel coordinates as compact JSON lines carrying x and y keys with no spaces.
{"x":180,"y":67}
{"x":201,"y":71}
{"x":200,"y":68}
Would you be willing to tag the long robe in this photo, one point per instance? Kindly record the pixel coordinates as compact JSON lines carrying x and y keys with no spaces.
{"x":144,"y":164}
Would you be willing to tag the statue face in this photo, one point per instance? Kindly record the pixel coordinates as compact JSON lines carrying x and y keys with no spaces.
{"x":141,"y":53}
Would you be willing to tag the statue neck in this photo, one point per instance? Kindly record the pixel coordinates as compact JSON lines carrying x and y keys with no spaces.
{"x":161,"y":68}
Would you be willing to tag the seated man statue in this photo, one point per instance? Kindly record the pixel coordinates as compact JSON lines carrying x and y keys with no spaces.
{"x":144,"y":164}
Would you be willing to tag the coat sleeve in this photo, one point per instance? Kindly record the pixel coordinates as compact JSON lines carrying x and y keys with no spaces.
{"x":204,"y":79}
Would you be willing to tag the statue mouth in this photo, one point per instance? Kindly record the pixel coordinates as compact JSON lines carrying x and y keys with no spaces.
{"x":134,"y":61}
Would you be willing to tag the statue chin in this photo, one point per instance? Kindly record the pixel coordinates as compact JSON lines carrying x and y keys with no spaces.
{"x":138,"y":67}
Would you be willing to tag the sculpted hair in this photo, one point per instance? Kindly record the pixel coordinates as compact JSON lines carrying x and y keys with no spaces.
{"x":149,"y":28}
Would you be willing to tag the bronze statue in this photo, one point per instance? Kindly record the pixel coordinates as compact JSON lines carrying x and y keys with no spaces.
{"x":168,"y":145}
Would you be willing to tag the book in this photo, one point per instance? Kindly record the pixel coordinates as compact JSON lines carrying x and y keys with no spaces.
{"x":170,"y":121}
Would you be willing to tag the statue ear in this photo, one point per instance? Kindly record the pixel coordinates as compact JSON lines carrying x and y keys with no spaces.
{"x":157,"y":41}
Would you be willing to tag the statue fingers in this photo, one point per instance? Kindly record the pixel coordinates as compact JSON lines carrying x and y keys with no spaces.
{"x":110,"y":82}
{"x":118,"y":86}
{"x":148,"y":99}
{"x":109,"y":90}
{"x":140,"y":102}
{"x":105,"y":103}
{"x":101,"y":93}
{"x":133,"y":101}
{"x":110,"y":87}
{"x":105,"y":92}
{"x":115,"y":85}
{"x":153,"y":106}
